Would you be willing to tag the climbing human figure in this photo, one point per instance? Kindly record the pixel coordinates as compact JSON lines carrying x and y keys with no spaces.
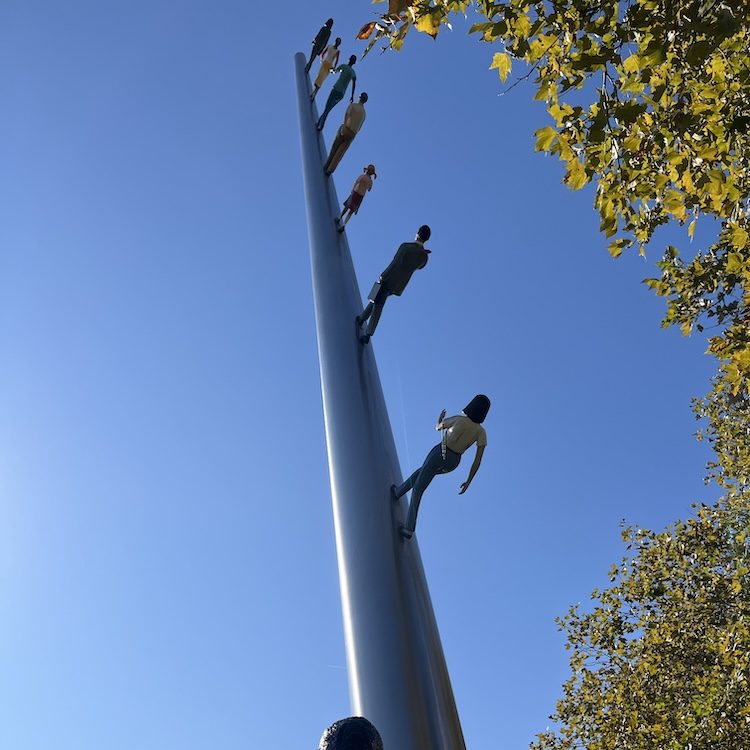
{"x":319,"y":43}
{"x":346,"y":74}
{"x":329,"y":59}
{"x":362,"y":185}
{"x":409,"y":257}
{"x":459,"y":434}
{"x":354,"y":118}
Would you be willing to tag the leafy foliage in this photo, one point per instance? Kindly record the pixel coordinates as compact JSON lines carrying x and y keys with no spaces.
{"x":662,"y":660}
{"x":650,"y":102}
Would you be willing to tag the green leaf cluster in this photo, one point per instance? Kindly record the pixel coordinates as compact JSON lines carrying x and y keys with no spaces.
{"x":649,"y":101}
{"x":662,"y":657}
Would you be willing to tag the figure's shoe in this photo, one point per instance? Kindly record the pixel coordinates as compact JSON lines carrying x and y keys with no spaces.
{"x":358,"y":321}
{"x":364,"y":338}
{"x":404,"y":532}
{"x":394,"y":497}
{"x":341,"y":229}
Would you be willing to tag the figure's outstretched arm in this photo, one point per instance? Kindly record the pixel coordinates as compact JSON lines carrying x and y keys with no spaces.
{"x":473,"y":470}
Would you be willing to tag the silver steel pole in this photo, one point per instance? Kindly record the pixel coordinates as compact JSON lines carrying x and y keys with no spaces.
{"x":397,"y":674}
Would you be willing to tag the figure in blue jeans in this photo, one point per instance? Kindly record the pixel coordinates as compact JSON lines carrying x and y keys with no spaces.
{"x":459,"y":434}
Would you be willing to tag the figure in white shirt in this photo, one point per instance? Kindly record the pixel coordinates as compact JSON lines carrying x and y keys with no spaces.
{"x":459,"y":434}
{"x":362,"y":185}
{"x":329,"y":59}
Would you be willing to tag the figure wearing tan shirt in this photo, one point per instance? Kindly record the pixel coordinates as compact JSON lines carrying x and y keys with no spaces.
{"x":459,"y":434}
{"x":354,"y":117}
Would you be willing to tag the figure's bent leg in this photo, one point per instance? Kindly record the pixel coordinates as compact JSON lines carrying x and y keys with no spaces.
{"x":377,"y":311}
{"x":332,"y":160}
{"x":341,"y":146}
{"x":432,"y":465}
{"x":333,"y":99}
{"x":365,"y":314}
{"x":408,"y":484}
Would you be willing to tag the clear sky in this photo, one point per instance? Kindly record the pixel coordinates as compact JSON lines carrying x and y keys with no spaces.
{"x":167,"y":562}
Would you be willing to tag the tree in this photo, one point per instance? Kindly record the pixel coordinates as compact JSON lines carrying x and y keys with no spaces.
{"x":663,"y":658}
{"x":650,"y":102}
{"x":663,"y":133}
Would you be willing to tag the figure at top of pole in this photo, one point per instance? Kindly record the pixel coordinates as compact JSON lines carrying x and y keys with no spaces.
{"x":409,"y":257}
{"x":346,"y":74}
{"x":354,"y":117}
{"x":362,"y":185}
{"x":329,"y":59}
{"x":319,"y":43}
{"x":459,"y":434}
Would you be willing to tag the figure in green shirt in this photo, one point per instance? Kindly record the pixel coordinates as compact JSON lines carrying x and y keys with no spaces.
{"x":346,"y":74}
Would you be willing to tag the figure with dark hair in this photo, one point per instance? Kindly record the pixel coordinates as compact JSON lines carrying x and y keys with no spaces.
{"x":354,"y":733}
{"x":362,"y":185}
{"x":354,"y":118}
{"x":346,"y":74}
{"x":459,"y":434}
{"x":410,"y":257}
{"x":329,"y":59}
{"x":319,"y":43}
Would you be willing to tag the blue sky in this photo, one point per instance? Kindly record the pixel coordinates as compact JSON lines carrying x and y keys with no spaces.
{"x":167,"y":564}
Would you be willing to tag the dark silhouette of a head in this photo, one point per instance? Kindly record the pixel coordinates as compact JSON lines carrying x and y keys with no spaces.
{"x":476,"y":410}
{"x":363,"y":97}
{"x":424,"y":233}
{"x":354,"y":733}
{"x":329,"y":23}
{"x":352,"y":59}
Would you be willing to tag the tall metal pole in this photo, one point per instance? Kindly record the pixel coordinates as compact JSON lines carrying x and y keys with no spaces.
{"x":397,"y":674}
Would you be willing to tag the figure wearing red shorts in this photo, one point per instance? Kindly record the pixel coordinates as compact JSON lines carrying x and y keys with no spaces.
{"x":362,"y":185}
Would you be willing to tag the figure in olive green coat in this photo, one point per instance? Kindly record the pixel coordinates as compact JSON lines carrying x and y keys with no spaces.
{"x":410,"y":257}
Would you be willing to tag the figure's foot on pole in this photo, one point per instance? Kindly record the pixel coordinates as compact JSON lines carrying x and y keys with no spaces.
{"x":358,"y":322}
{"x":341,"y":229}
{"x":404,"y":532}
{"x":364,"y":338}
{"x":394,"y":497}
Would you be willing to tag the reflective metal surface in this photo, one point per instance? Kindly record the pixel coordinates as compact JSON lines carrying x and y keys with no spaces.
{"x":397,"y":673}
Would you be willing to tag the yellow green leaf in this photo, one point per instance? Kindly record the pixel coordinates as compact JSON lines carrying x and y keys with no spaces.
{"x":544,"y":138}
{"x":429,"y":23}
{"x":738,"y":236}
{"x":502,"y":63}
{"x":631,"y":64}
